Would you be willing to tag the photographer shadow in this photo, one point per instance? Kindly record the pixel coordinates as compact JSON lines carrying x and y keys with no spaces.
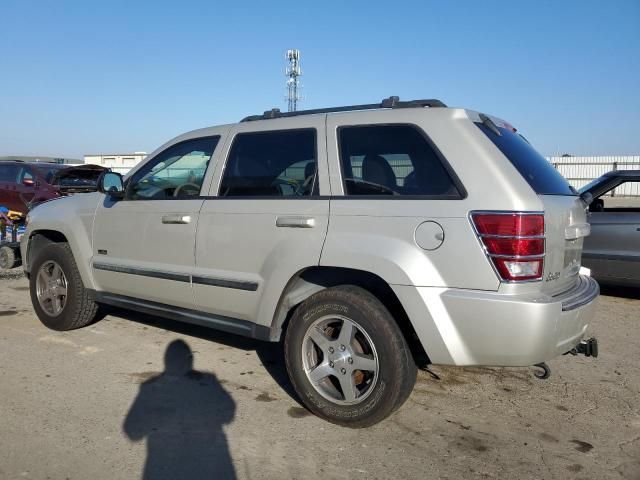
{"x":181,"y":413}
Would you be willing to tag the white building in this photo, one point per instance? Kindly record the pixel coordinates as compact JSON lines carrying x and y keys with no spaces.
{"x":580,"y":170}
{"x":118,"y":162}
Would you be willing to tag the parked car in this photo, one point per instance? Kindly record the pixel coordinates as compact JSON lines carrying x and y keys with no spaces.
{"x":612,"y":251}
{"x":24,"y":184}
{"x":364,"y":237}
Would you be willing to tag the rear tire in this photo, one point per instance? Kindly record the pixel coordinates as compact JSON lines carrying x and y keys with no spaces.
{"x":330,"y":335}
{"x":7,"y":258}
{"x":57,"y":292}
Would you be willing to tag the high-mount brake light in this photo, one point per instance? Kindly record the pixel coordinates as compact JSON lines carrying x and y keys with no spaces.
{"x":514,"y":243}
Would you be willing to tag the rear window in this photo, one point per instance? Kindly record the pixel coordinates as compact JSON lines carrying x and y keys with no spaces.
{"x":540,"y":174}
{"x":382,"y":160}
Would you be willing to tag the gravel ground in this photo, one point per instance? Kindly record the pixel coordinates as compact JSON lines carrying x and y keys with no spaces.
{"x":104,"y":403}
{"x":13,"y":274}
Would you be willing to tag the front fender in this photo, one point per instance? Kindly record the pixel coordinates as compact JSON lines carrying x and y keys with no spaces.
{"x":67,"y":219}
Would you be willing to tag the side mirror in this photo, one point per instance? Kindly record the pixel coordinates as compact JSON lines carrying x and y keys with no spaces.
{"x":28,"y":182}
{"x":111,"y":184}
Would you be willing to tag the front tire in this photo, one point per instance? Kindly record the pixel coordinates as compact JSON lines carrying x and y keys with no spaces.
{"x":347,"y":358}
{"x":57,"y":292}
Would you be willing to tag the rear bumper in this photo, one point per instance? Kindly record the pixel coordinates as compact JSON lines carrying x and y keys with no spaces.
{"x":468,"y":327}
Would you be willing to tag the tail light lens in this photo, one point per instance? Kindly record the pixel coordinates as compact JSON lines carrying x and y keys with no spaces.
{"x":514,"y":243}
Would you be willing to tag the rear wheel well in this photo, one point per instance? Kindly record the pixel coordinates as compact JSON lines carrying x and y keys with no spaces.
{"x":314,"y":279}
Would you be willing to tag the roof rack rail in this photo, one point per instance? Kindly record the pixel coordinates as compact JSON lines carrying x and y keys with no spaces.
{"x":391,"y":102}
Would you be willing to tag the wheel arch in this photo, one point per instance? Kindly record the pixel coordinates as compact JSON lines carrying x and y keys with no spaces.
{"x":40,"y":238}
{"x":44,"y":236}
{"x":311,"y":280}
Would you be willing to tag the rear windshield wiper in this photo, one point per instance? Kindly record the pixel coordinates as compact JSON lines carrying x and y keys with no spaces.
{"x":487,"y":122}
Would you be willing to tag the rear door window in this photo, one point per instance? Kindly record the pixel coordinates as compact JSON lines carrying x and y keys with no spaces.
{"x":540,"y":174}
{"x":25,"y":177}
{"x":272,"y":164}
{"x":393,"y":160}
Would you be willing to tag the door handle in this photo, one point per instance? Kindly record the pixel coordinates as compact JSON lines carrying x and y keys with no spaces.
{"x":178,"y":219}
{"x":296,"y":222}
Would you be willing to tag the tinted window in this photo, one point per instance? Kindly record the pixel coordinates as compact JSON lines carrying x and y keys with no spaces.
{"x":177,"y":172}
{"x":273,"y":164}
{"x":392,"y":160}
{"x":49,"y":171}
{"x":540,"y":174}
{"x":25,"y":176}
{"x":8,"y":173}
{"x":622,"y":198}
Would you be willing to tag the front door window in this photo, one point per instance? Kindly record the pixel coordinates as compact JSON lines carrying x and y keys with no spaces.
{"x":178,"y":172}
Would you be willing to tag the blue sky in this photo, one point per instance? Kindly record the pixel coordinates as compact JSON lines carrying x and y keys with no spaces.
{"x":82,"y":77}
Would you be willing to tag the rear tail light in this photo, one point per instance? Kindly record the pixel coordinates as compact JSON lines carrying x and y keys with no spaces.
{"x":514,"y":243}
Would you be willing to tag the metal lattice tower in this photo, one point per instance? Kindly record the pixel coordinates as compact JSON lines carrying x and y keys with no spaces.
{"x":293,"y":71}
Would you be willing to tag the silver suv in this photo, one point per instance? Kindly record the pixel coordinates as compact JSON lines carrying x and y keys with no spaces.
{"x":366,"y":238}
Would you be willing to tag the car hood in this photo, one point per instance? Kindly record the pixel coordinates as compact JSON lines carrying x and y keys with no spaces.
{"x":83,"y":178}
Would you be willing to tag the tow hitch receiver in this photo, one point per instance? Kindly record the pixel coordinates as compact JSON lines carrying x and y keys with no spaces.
{"x":588,"y":348}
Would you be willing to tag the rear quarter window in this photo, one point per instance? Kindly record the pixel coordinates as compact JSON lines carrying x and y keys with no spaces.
{"x":393,"y":160}
{"x":534,"y":168}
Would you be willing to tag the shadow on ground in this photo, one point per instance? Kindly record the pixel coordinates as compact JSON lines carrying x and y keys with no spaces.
{"x":271,"y":355}
{"x":620,"y":291}
{"x":180,"y":413}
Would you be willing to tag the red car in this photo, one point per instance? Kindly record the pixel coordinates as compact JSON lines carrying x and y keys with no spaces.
{"x":25,"y":184}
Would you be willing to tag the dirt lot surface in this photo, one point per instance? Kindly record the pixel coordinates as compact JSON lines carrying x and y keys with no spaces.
{"x":103,"y":403}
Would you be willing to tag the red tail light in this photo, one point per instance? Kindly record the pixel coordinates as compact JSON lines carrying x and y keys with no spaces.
{"x":514,"y":243}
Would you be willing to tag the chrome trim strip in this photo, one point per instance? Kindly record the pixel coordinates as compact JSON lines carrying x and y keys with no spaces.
{"x":517,"y":237}
{"x":505,"y":212}
{"x":295,"y":221}
{"x":484,"y":247}
{"x":517,"y":257}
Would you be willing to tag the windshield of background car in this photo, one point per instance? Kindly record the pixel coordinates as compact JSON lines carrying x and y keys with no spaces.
{"x":536,"y":170}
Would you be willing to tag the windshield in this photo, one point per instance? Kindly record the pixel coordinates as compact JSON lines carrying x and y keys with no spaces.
{"x":536,"y":170}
